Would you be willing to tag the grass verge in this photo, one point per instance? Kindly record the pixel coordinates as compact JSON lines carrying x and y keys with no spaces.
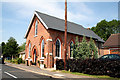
{"x":93,"y":76}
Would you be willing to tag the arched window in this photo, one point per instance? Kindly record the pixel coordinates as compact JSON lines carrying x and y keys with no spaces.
{"x":36,"y":26}
{"x":71,"y":48}
{"x":42,"y":48}
{"x":29,"y":49}
{"x":58,"y":48}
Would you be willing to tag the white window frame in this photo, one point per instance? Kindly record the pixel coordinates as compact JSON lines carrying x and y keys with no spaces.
{"x":59,"y":50}
{"x":36,"y":28}
{"x":42,"y":48}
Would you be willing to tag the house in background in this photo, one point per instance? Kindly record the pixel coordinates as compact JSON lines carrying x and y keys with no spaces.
{"x":22,"y":55}
{"x":45,"y":39}
{"x":112,"y":45}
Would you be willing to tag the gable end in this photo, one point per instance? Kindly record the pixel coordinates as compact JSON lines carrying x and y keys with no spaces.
{"x":29,"y":27}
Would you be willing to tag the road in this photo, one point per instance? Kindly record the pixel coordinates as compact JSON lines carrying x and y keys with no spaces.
{"x":9,"y":73}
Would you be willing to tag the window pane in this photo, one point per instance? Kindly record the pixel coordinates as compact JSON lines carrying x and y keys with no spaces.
{"x":71,"y":48}
{"x":36,"y":25}
{"x":29,"y":49}
{"x":42,"y":49}
{"x":57,"y":48}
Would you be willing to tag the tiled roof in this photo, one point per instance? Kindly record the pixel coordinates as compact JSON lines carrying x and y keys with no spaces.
{"x":113,"y":41}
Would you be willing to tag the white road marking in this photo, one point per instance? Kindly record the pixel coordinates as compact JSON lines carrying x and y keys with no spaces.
{"x":58,"y":75}
{"x":10,"y":75}
{"x":0,"y":69}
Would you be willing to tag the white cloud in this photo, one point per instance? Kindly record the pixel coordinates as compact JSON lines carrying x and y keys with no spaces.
{"x":26,"y":10}
{"x":51,"y":8}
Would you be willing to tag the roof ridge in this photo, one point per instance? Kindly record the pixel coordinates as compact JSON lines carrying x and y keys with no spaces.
{"x":60,"y":19}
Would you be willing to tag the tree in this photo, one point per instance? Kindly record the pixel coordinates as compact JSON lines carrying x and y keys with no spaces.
{"x":0,"y":49}
{"x":80,"y":50}
{"x":3,"y":48}
{"x":22,"y":47}
{"x":83,"y":49}
{"x":101,"y":29}
{"x":11,"y":48}
{"x":104,"y":28}
{"x":92,"y":48}
{"x":115,"y":26}
{"x":75,"y":48}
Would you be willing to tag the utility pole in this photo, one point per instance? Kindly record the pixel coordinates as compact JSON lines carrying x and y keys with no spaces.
{"x":65,"y":41}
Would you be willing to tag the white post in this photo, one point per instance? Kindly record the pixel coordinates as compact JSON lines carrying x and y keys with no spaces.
{"x":55,"y":62}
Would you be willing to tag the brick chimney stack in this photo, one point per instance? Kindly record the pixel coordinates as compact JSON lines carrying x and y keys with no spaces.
{"x":88,"y":28}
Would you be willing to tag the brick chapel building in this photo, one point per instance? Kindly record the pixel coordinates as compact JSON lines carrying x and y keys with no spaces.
{"x":45,"y":39}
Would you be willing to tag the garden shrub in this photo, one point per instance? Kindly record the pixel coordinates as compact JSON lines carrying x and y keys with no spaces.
{"x":13,"y":61}
{"x":23,"y":61}
{"x":10,"y":60}
{"x":19,"y":60}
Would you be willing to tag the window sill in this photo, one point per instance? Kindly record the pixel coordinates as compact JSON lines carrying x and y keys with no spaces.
{"x":71,"y":57}
{"x":42,"y":58}
{"x":35,"y":36}
{"x":50,"y":54}
{"x":58,"y":58}
{"x":28,"y":57}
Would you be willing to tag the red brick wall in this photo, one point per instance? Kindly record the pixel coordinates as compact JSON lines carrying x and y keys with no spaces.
{"x":106,"y":51}
{"x":115,"y":51}
{"x":102,"y":52}
{"x":111,"y":50}
{"x":54,"y":34}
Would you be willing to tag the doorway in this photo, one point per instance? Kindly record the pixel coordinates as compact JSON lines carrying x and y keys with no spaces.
{"x":34,"y":57}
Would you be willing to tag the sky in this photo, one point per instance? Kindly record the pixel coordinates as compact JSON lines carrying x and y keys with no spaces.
{"x":15,"y":16}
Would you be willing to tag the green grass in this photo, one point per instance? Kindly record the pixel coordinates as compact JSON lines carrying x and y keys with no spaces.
{"x":93,"y":76}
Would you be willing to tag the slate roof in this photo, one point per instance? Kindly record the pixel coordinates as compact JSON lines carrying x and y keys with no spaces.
{"x":59,"y":24}
{"x":113,"y":41}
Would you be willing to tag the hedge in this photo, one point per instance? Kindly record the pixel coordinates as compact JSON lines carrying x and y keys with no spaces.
{"x":91,"y":66}
{"x":59,"y":64}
